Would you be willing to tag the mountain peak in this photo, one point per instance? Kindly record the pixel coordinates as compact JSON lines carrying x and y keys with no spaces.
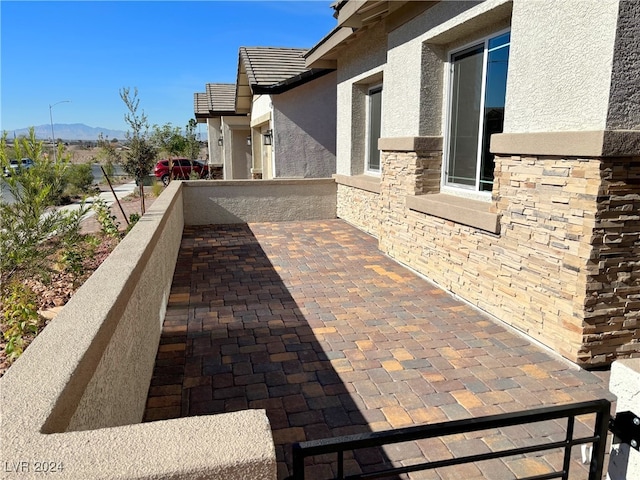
{"x":70,"y":132}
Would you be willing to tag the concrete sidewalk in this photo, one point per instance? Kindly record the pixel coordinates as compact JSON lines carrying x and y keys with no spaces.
{"x":309,"y":321}
{"x":121,"y":191}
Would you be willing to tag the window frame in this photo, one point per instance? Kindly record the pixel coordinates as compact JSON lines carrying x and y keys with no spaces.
{"x":458,"y":189}
{"x":372,"y":89}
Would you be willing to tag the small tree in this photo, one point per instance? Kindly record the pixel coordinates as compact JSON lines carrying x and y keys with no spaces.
{"x":192,"y":149}
{"x":138,"y":160}
{"x":31,"y":232}
{"x":168,"y":140}
{"x":108,"y":154}
{"x":49,"y":169}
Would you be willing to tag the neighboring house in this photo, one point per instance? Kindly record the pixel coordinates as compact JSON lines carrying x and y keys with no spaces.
{"x":281,"y":117}
{"x":495,"y":148}
{"x":227,"y":131}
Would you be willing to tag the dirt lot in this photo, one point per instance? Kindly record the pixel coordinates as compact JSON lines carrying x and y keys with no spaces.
{"x":82,"y":154}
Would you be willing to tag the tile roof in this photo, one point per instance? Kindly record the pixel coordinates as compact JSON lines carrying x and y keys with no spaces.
{"x":221,"y":96}
{"x":219,"y":99}
{"x":261,"y":70}
{"x":201,"y":105}
{"x":266,"y":66}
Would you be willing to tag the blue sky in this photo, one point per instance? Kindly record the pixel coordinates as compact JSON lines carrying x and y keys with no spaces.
{"x":86,"y":51}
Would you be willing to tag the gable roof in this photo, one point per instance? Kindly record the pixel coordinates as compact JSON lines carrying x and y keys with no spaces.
{"x":221,"y":97}
{"x":270,"y":70}
{"x":265,"y":66}
{"x":218,"y":100}
{"x":201,"y":105}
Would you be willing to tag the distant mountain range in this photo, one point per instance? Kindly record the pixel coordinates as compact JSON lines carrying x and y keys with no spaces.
{"x":69,"y":132}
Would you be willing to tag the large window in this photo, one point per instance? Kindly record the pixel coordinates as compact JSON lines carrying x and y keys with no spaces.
{"x":477,"y":95}
{"x":374,"y":114}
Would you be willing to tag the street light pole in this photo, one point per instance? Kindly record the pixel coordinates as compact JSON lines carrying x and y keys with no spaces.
{"x":53,"y":138}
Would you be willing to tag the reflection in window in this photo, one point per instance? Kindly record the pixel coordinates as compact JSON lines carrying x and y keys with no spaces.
{"x":373,"y":131}
{"x":477,"y":96}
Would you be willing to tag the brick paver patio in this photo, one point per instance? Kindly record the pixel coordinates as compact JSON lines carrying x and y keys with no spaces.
{"x":309,"y":321}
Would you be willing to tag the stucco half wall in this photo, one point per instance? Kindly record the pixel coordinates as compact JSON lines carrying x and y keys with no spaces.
{"x":72,"y":404}
{"x":243,"y":201}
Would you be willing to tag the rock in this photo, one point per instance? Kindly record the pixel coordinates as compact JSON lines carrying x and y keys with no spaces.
{"x":50,"y":313}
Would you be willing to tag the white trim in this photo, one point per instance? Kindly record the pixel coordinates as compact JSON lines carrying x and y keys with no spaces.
{"x":272,"y":147}
{"x":481,"y":125}
{"x":466,"y":193}
{"x":458,"y":189}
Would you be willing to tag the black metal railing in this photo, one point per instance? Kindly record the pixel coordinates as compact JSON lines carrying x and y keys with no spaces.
{"x":340,"y":445}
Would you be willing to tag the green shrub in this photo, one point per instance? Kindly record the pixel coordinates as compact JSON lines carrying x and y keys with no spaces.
{"x":20,"y":319}
{"x":108,"y":222}
{"x":109,"y":169}
{"x":79,"y":179}
{"x":47,"y":174}
{"x":31,"y":231}
{"x":133,"y":219}
{"x":156,"y":189}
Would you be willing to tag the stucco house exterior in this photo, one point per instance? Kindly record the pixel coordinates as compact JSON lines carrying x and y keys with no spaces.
{"x":494,"y":146}
{"x":216,"y":108}
{"x":277,"y":121}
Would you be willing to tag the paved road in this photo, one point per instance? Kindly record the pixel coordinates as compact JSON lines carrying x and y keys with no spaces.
{"x":5,"y":194}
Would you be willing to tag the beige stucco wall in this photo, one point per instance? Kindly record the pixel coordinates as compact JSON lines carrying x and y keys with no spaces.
{"x":409,"y":62}
{"x":551,"y":66}
{"x":407,"y":107}
{"x":304,"y":141}
{"x":360,"y":60}
{"x":209,"y":202}
{"x":236,"y":153}
{"x":214,"y":132}
{"x":624,"y":96}
{"x":417,"y":52}
{"x":260,"y":106}
{"x":560,"y":70}
{"x":75,"y":398}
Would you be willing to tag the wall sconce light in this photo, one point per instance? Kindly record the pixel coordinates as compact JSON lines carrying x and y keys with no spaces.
{"x":220,"y":142}
{"x":267,"y":137}
{"x":249,"y":140}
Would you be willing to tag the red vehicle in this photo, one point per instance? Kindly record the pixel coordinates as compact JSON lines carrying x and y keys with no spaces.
{"x":182,"y":169}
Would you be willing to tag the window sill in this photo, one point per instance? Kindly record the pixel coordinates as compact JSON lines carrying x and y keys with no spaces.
{"x":473,"y":213}
{"x":368,"y":183}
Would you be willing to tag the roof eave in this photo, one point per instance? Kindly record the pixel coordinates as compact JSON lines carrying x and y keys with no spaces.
{"x":323,"y":54}
{"x":290,"y":83}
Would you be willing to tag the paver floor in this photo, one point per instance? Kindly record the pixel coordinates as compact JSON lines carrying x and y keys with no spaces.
{"x":309,"y":321}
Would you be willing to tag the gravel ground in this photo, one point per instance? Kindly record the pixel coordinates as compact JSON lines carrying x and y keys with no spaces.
{"x":129,"y":204}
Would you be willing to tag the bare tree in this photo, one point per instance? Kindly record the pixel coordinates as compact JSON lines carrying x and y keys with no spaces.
{"x":138,"y":160}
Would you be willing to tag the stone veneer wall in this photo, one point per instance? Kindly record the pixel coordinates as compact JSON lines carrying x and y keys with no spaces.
{"x":359,"y":207}
{"x":216,"y":172}
{"x":548,"y":207}
{"x":562,"y":267}
{"x":612,"y":325}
